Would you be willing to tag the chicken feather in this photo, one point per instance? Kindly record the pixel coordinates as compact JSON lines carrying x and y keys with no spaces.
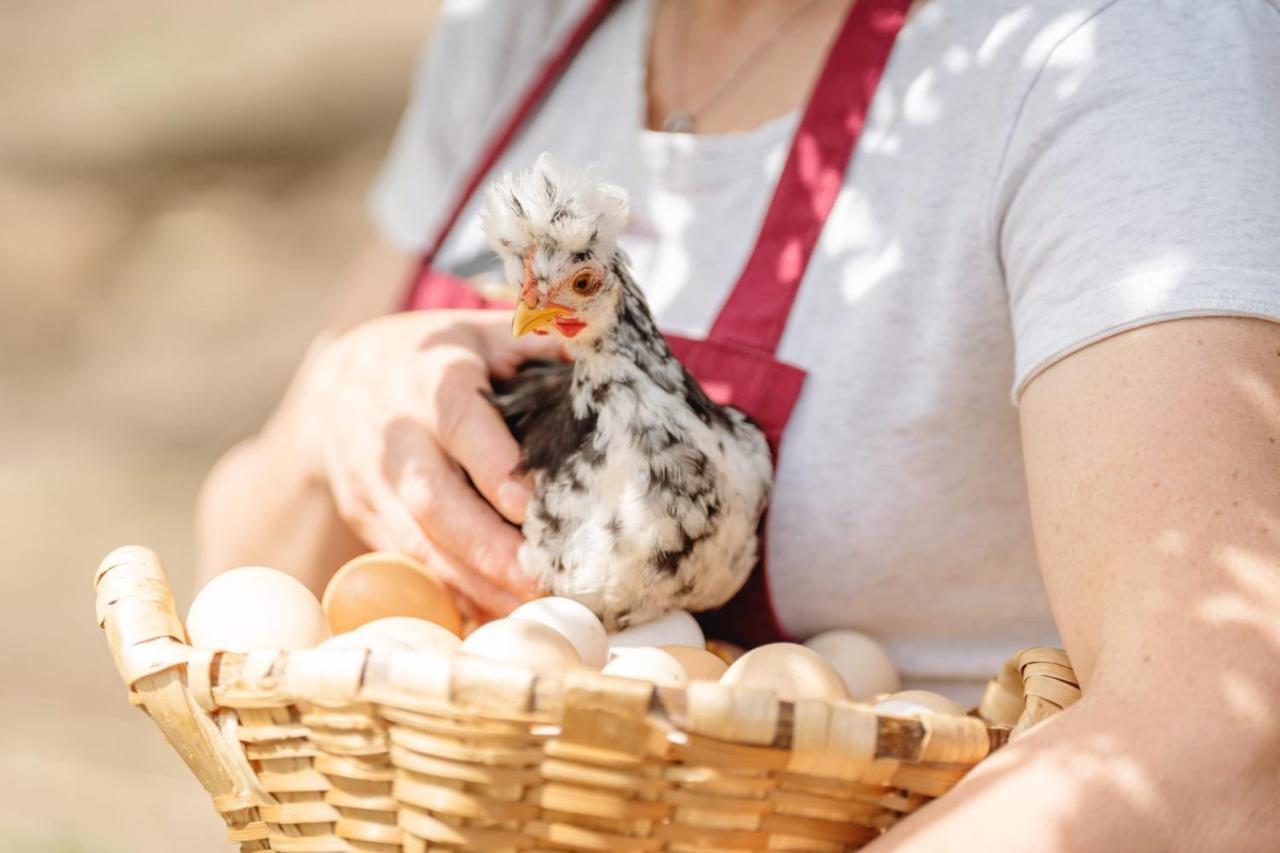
{"x":647,"y":495}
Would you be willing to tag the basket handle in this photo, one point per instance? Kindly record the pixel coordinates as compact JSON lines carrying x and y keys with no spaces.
{"x":135,"y":607}
{"x":148,"y":644}
{"x":1034,"y":685}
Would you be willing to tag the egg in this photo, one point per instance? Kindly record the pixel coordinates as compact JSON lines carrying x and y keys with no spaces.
{"x":574,"y":621}
{"x":861,"y":662}
{"x":913,"y":703}
{"x":413,"y":633}
{"x":676,"y":628}
{"x":381,"y":584}
{"x":524,"y":642}
{"x":372,"y":641}
{"x":727,"y":652}
{"x":254,"y":607}
{"x":791,"y":670}
{"x":648,"y":664}
{"x":701,"y":665}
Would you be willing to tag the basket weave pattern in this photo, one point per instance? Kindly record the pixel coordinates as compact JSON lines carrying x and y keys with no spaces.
{"x":346,"y":750}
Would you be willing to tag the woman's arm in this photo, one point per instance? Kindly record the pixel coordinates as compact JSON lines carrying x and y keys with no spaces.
{"x":1153,"y":460}
{"x":263,"y":501}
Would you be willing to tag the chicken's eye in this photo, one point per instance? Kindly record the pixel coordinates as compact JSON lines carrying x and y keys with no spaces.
{"x":584,"y":284}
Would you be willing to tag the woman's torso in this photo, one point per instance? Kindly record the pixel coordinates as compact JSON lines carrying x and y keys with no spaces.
{"x":900,"y":506}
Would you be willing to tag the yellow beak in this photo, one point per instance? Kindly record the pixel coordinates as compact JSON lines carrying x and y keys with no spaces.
{"x":528,"y":319}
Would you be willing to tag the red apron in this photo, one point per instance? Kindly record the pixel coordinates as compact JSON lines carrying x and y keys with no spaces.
{"x":736,"y":364}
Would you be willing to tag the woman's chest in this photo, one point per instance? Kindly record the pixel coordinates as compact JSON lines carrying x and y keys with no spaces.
{"x":900,"y":468}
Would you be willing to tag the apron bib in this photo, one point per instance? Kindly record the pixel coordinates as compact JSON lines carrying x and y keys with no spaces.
{"x":736,"y":363}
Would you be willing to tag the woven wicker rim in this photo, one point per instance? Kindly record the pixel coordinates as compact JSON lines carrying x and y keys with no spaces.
{"x":589,"y":720}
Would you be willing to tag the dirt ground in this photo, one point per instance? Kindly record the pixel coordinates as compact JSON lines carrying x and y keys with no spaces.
{"x":180,"y":185}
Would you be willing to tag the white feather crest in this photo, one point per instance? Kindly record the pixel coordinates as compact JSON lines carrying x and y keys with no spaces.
{"x":574,"y":209}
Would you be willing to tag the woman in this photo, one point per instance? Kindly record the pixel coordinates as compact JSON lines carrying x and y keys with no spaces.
{"x":1071,"y":201}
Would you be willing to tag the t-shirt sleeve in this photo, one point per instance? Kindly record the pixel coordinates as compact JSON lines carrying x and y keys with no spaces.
{"x":1141,"y":180}
{"x":470,"y":72}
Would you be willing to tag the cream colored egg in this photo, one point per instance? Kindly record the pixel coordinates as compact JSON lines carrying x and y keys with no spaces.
{"x":574,"y":621}
{"x":861,"y":662}
{"x":521,"y":641}
{"x":254,"y":607}
{"x":913,"y":703}
{"x":648,"y":664}
{"x":701,"y":664}
{"x":791,"y":670}
{"x":415,"y":633}
{"x":360,"y":640}
{"x":676,"y":628}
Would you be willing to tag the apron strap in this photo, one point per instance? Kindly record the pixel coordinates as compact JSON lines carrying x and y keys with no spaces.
{"x":533,"y":96}
{"x":757,"y":310}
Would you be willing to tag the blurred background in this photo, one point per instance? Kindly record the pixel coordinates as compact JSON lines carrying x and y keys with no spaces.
{"x":181,"y":185}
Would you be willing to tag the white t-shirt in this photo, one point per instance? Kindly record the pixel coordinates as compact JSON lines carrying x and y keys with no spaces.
{"x":1032,"y":177}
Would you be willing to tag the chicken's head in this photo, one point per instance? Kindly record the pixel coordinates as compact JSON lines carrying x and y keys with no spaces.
{"x":557,"y":235}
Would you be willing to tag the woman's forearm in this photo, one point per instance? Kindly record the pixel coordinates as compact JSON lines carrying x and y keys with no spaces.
{"x":265,"y":501}
{"x":262,"y":505}
{"x":1112,"y":774}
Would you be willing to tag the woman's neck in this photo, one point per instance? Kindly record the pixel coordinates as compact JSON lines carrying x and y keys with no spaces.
{"x":734,"y":53}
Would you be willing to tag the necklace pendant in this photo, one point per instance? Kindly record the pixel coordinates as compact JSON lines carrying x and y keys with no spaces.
{"x":678,"y":121}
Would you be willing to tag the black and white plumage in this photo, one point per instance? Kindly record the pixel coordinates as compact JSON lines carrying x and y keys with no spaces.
{"x":647,"y":495}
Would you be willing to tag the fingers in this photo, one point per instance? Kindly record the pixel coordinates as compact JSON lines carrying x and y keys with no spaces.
{"x":450,"y":513}
{"x":372,"y":506}
{"x":478,"y":596}
{"x":377,"y":514}
{"x":472,"y":433}
{"x":404,"y":429}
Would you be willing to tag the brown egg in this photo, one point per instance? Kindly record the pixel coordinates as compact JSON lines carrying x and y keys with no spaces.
{"x":726,"y":651}
{"x":524,"y":642}
{"x":377,"y":585}
{"x":656,"y":666}
{"x":791,"y":670}
{"x":701,"y":665}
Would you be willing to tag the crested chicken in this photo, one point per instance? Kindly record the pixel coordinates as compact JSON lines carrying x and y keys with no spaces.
{"x":646,"y":494}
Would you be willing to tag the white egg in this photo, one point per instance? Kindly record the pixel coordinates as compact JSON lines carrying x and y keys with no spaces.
{"x":676,"y":628}
{"x":254,"y":607}
{"x":358,"y":639}
{"x":648,"y":664}
{"x":913,"y":703}
{"x":861,"y":662}
{"x":791,"y":670}
{"x":574,"y":621}
{"x":524,"y":642}
{"x":413,"y":632}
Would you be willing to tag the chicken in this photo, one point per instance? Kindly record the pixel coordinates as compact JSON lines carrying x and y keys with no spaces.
{"x":646,"y":494}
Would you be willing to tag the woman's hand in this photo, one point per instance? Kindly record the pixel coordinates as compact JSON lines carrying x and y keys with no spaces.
{"x":394,"y":421}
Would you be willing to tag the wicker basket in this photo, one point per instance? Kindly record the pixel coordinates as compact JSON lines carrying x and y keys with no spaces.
{"x":346,"y":750}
